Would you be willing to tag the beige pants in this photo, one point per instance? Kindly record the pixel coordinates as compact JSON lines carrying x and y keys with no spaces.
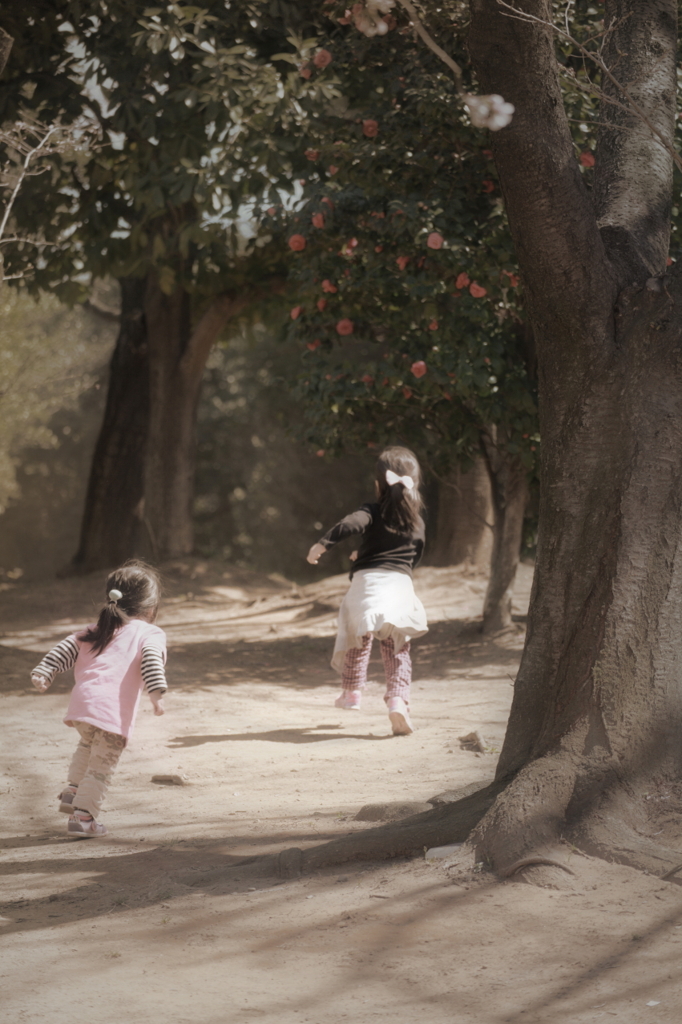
{"x":92,"y":766}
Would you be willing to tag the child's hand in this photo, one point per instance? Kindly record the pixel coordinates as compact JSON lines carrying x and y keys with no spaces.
{"x":159,"y":709}
{"x":353,"y":555}
{"x":40,"y":683}
{"x":316,"y":551}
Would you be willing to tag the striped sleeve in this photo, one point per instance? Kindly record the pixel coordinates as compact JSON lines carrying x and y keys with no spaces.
{"x":153,"y":672}
{"x":60,"y":659}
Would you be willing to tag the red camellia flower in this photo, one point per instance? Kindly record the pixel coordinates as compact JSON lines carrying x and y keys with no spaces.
{"x":433,"y":326}
{"x":367,"y":379}
{"x":380,"y":248}
{"x":318,"y":220}
{"x":668,"y":262}
{"x":418,"y":368}
{"x":312,"y":345}
{"x":345,"y":327}
{"x":477,"y":290}
{"x":305,"y":72}
{"x":462,"y":281}
{"x":407,"y":393}
{"x":296,"y":312}
{"x":297,"y":243}
{"x":333,"y":170}
{"x":587,"y":159}
{"x":322,"y":59}
{"x":320,"y":452}
{"x":435,"y":240}
{"x":328,"y":201}
{"x":370,"y":128}
{"x":312,"y":154}
{"x":328,"y":287}
{"x":513,"y":279}
{"x":402,"y":261}
{"x":321,"y":303}
{"x":488,"y":186}
{"x":272,"y":210}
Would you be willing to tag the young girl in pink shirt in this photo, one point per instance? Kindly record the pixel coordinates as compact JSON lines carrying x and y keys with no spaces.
{"x":113,"y":660}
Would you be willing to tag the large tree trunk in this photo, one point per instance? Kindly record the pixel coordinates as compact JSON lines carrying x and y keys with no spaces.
{"x":597,"y":707}
{"x":110,"y":530}
{"x":464,"y":530}
{"x":177,"y":358}
{"x":509,"y":492}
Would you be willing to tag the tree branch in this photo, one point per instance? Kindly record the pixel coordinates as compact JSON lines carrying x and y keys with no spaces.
{"x":431,"y":43}
{"x":6,"y":42}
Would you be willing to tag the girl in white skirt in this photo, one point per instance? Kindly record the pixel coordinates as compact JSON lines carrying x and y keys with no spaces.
{"x":381,"y":601}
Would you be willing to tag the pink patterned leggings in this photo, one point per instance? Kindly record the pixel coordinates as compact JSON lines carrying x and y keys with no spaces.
{"x":397,"y":668}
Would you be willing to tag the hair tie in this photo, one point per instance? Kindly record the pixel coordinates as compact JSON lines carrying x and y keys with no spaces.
{"x":393,"y":478}
{"x":115,"y":595}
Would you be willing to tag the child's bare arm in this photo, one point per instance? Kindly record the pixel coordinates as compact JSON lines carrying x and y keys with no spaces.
{"x":315,"y":553}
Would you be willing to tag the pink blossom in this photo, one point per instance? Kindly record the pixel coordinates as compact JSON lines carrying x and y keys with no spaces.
{"x":345,"y":327}
{"x":322,"y":59}
{"x":297,"y":243}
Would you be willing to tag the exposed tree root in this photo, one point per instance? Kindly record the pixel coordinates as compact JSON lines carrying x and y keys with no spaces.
{"x":613,"y":839}
{"x":527,"y":862}
{"x":450,"y":823}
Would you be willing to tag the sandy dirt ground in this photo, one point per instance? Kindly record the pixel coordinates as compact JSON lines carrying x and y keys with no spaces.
{"x":178,"y":915}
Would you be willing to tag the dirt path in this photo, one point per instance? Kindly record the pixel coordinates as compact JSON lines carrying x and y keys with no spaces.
{"x":177,"y":915}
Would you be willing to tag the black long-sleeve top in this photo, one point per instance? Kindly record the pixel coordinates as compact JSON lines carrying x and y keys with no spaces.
{"x":380,"y":548}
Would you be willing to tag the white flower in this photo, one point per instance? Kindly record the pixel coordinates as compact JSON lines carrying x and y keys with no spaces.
{"x":489,"y":111}
{"x":367,"y":16}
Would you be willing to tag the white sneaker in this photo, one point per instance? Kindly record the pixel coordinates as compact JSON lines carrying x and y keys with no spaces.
{"x":400,"y":717}
{"x":83,"y":826}
{"x":349,"y":700}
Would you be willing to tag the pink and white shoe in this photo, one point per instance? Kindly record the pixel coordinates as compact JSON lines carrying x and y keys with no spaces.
{"x":83,"y":826}
{"x":400,"y":717}
{"x":350,"y":700}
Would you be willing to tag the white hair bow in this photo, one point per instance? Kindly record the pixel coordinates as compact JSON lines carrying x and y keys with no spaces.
{"x":393,"y":478}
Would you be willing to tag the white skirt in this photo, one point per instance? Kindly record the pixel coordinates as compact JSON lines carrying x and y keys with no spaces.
{"x":381,"y":602}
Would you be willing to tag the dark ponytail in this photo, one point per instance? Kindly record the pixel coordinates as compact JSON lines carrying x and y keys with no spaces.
{"x":400,"y":506}
{"x":133,"y":592}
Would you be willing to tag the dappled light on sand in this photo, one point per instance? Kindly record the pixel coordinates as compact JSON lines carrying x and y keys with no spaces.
{"x":180,"y":911}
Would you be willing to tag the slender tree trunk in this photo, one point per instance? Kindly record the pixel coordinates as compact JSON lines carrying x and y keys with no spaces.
{"x":177,"y":358}
{"x":110,"y":530}
{"x":509,"y":490}
{"x":464,"y":519}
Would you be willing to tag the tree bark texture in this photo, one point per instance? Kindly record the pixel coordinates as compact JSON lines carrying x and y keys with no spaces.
{"x":111,"y":526}
{"x":509,"y":492}
{"x":464,"y":530}
{"x":597,"y":707}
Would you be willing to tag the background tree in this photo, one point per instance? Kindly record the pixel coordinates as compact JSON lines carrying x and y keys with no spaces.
{"x":408,"y":301}
{"x":196,"y":124}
